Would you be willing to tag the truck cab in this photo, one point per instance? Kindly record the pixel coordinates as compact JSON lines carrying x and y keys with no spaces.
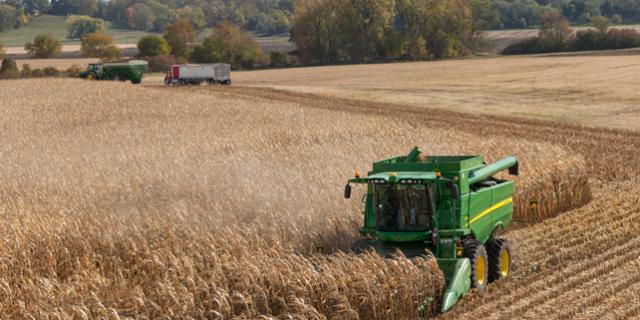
{"x":450,"y":207}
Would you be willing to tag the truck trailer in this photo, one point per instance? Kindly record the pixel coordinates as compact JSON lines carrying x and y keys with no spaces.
{"x":117,"y":71}
{"x":212,"y":73}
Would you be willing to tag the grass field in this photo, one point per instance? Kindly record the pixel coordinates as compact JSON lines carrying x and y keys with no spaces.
{"x":124,"y":201}
{"x":54,"y":25}
{"x":14,"y":40}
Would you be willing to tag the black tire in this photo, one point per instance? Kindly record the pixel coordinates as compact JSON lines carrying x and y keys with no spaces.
{"x":499,"y":251}
{"x":477,"y":255}
{"x":136,"y":81}
{"x":361,"y":246}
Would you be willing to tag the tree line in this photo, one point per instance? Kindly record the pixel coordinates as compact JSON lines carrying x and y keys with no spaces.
{"x":336,"y":31}
{"x":262,"y":16}
{"x":227,"y":43}
{"x":556,"y":35}
{"x":276,"y":16}
{"x":527,"y":13}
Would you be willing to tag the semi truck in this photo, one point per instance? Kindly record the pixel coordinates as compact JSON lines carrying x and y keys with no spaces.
{"x":117,"y":71}
{"x":212,"y":73}
{"x":450,"y":207}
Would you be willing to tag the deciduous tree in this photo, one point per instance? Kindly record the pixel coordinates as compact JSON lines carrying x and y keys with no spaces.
{"x":228,"y":44}
{"x":99,"y":45}
{"x":43,"y":46}
{"x":601,"y":24}
{"x":7,"y":15}
{"x":179,"y":35}
{"x":555,"y":30}
{"x":78,"y":26}
{"x":140,"y":17}
{"x":152,"y":45}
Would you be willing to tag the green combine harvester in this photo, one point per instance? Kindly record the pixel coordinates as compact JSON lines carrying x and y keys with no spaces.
{"x":116,"y":71}
{"x":448,"y":206}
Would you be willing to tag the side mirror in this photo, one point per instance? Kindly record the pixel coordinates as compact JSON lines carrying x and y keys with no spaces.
{"x":455,"y":192}
{"x":347,"y":191}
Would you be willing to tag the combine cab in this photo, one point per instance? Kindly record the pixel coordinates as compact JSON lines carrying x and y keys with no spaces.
{"x":448,"y":206}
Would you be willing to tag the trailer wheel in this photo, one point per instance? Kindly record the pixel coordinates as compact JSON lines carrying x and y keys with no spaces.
{"x":477,"y":255}
{"x":499,"y":258}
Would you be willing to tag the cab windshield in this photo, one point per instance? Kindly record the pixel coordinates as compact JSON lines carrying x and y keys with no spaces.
{"x":94,"y":67}
{"x":402,"y":207}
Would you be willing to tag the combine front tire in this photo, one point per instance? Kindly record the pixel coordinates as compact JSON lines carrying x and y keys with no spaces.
{"x":477,"y":255}
{"x":499,"y":259}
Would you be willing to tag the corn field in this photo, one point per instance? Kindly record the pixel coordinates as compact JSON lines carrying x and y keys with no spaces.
{"x":121,"y":202}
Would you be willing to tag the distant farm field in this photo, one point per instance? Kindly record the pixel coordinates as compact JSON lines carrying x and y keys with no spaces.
{"x":590,"y":90}
{"x":55,"y":26}
{"x":213,"y":202}
{"x":14,"y":40}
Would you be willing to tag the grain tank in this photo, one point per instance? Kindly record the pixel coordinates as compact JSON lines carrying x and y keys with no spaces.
{"x":117,"y":71}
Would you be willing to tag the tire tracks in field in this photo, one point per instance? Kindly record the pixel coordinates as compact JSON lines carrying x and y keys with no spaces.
{"x":570,"y":278}
{"x":529,"y":296}
{"x":542,"y":279}
{"x":615,"y":281}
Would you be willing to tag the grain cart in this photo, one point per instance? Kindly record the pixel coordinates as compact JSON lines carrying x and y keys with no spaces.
{"x":448,"y":206}
{"x":212,"y":73}
{"x":117,"y":71}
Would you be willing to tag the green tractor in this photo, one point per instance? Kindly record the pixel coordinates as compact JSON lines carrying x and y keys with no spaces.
{"x":116,"y":71}
{"x":448,"y":206}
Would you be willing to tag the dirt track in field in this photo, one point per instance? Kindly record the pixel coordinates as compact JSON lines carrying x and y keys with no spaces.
{"x":582,"y":264}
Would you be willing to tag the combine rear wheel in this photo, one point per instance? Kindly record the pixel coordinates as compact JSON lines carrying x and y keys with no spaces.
{"x":477,"y":255}
{"x":499,"y":259}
